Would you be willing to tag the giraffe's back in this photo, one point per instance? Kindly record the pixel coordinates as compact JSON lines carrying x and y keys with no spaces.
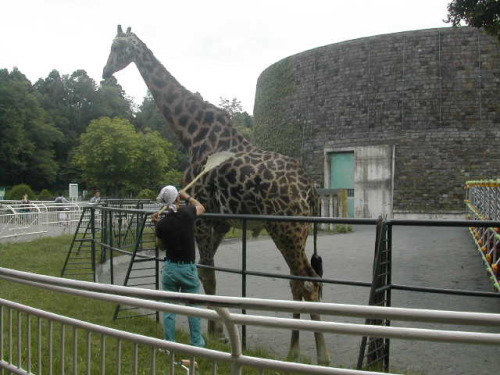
{"x":260,"y":182}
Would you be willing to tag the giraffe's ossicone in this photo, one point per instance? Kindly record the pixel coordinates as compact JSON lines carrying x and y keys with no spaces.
{"x":253,"y":181}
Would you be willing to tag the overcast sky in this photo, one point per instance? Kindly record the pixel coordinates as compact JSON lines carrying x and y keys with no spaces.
{"x":216,"y":47}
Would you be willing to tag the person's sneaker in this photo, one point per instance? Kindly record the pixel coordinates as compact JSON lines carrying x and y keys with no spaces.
{"x":187,"y":363}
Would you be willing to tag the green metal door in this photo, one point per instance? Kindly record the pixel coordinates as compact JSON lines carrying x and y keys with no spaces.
{"x":342,"y":176}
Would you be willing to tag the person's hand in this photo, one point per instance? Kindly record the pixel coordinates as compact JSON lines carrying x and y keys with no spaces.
{"x":183,"y":194}
{"x":155,"y":217}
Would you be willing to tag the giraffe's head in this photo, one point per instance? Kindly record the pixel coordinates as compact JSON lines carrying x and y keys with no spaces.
{"x":121,"y":53}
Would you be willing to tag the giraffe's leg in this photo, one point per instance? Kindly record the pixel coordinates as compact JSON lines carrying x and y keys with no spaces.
{"x":290,"y":239}
{"x":312,"y":293}
{"x":294,"y":350}
{"x":208,"y":238}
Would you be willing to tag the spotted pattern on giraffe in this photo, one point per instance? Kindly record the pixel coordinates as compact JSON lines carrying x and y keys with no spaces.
{"x":254,"y":181}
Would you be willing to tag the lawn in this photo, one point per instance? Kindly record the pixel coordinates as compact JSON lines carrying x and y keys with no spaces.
{"x":46,"y":256}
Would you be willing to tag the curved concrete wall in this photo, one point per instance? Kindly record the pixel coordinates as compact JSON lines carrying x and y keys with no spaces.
{"x":420,"y":110}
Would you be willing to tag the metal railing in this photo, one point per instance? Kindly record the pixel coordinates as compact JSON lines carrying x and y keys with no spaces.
{"x":21,"y":353}
{"x":483,"y":203}
{"x":20,"y":221}
{"x":381,"y":285}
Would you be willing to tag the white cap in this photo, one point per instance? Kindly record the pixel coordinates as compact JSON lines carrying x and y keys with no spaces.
{"x":168,"y":195}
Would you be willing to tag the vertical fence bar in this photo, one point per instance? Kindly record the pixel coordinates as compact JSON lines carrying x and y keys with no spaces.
{"x":103,"y":354}
{"x":1,"y":336}
{"x":51,"y":347}
{"x":75,"y":351}
{"x":39,"y":342}
{"x":19,"y":340}
{"x":10,"y":335}
{"x":92,"y":246}
{"x":110,"y":249}
{"x":62,"y":353}
{"x":135,"y":360}
{"x":89,"y":352}
{"x":28,"y":338}
{"x":244,"y":278}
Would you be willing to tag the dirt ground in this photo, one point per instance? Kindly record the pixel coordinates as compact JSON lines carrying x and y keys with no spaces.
{"x":424,"y":256}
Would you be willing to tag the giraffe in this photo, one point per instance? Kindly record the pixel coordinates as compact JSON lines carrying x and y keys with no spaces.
{"x":253,"y":181}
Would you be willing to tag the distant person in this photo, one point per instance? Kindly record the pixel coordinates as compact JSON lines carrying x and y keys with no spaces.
{"x":24,"y":208}
{"x":61,"y":199}
{"x":25,"y":199}
{"x":175,"y":234}
{"x":61,"y":214}
{"x":25,"y":203}
{"x":96,"y":198}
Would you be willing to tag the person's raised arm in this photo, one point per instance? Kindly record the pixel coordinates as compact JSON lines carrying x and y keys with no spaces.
{"x":200,"y":209}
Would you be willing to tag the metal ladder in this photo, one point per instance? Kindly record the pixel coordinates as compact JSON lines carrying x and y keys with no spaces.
{"x":144,"y":267}
{"x":81,"y":258}
{"x":374,"y":351}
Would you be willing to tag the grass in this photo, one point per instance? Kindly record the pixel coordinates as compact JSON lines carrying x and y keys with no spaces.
{"x":46,"y":256}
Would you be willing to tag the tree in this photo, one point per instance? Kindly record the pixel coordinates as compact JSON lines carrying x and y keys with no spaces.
{"x":241,"y":120}
{"x":72,"y":101}
{"x":118,"y":159}
{"x":149,"y":118}
{"x":232,"y":106}
{"x":477,"y":13}
{"x":27,"y":134}
{"x":112,"y":100}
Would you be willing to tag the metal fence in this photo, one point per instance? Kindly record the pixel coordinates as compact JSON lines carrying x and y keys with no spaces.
{"x":374,"y":351}
{"x":36,"y":341}
{"x":483,"y":203}
{"x":24,"y":221}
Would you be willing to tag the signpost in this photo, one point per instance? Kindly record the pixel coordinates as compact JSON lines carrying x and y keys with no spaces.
{"x":73,"y":192}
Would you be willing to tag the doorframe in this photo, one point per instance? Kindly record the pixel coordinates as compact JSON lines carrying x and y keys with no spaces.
{"x":356,"y":149}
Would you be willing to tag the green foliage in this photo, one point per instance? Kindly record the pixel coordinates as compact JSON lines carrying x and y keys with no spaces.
{"x":146,"y":194}
{"x":41,"y":125}
{"x":17,"y":192}
{"x":149,"y":118}
{"x":72,"y":101}
{"x":240,"y":119}
{"x":27,"y":135}
{"x":172,"y":177}
{"x":117,"y":158}
{"x":46,"y":195}
{"x":476,"y":13}
{"x":273,"y":130}
{"x":343,"y":228}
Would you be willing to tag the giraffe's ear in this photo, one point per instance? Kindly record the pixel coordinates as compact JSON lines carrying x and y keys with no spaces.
{"x":129,"y":29}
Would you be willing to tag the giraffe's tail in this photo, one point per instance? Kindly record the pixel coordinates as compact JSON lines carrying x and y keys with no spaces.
{"x":316,"y":260}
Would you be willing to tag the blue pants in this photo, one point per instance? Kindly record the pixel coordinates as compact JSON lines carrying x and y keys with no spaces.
{"x":182,"y":277}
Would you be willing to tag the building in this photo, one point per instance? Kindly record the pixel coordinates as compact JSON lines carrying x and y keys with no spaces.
{"x":400,"y":120}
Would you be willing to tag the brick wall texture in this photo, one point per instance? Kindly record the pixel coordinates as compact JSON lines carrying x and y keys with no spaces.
{"x":433,"y":94}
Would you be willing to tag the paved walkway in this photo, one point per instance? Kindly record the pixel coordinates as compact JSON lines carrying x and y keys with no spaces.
{"x":425,"y":256}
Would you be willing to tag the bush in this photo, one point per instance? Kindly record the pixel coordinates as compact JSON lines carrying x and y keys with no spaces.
{"x":46,"y":195}
{"x":17,"y":192}
{"x":146,"y":194}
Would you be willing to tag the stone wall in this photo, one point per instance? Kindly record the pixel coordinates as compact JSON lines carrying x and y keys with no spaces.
{"x":433,"y":95}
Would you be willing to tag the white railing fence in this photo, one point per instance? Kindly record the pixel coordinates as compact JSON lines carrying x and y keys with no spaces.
{"x":36,"y":341}
{"x":23,"y":221}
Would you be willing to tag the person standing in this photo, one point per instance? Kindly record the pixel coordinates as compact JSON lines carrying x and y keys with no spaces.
{"x":96,"y":198}
{"x":62,"y":214}
{"x":175,"y":233}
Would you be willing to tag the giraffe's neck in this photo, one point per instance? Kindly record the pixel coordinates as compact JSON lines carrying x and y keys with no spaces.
{"x":201,"y":127}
